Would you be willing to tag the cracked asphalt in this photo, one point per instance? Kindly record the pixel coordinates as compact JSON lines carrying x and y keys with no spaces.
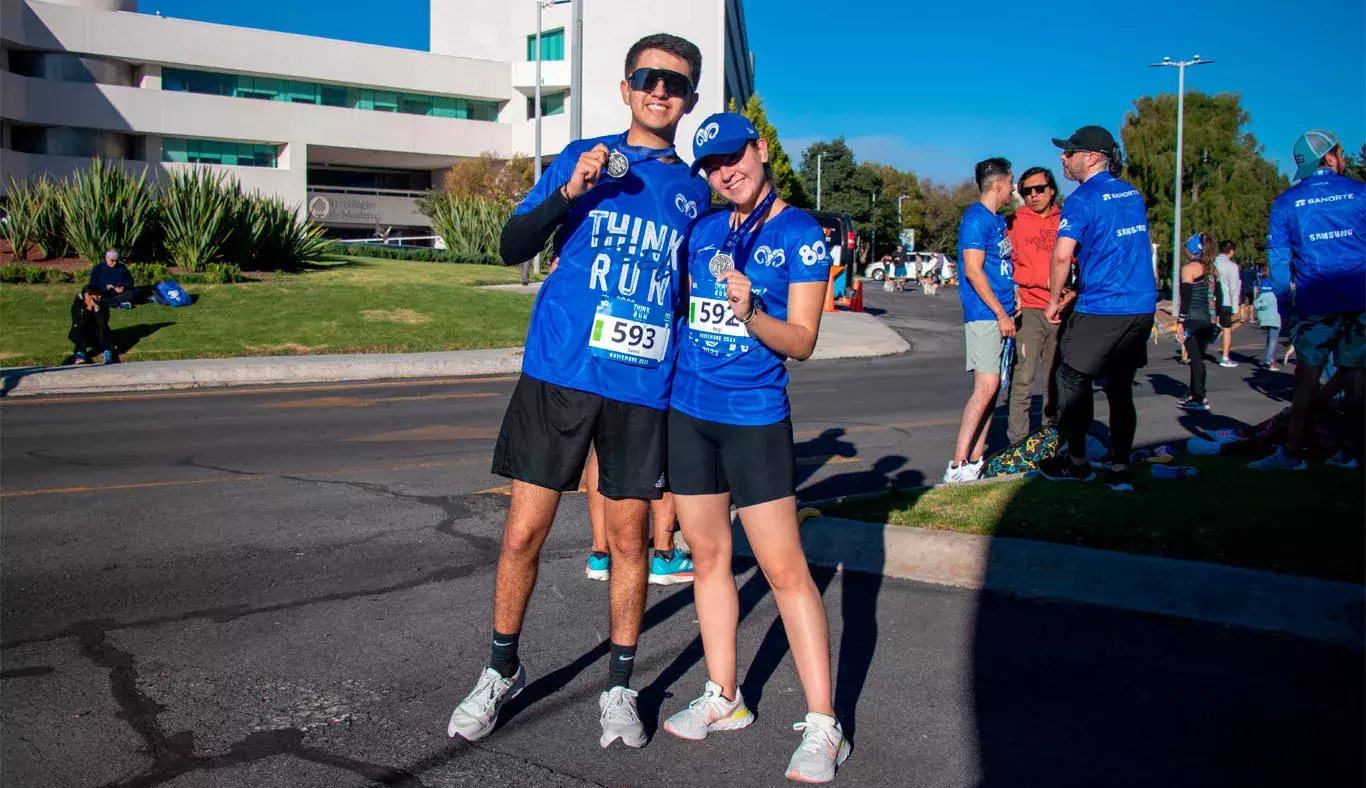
{"x":291,"y":587}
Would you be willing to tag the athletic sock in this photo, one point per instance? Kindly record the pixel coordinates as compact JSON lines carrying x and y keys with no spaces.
{"x":599,"y":554}
{"x":504,"y":657}
{"x":665,"y":555}
{"x":622,"y":660}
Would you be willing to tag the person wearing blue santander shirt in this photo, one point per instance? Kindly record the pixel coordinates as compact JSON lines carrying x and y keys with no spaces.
{"x":1317,"y":243}
{"x":755,"y":277}
{"x":1105,"y":228}
{"x":597,"y":367}
{"x":987,"y":264}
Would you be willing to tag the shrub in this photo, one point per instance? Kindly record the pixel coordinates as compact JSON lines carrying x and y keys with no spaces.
{"x":269,"y":235}
{"x":36,"y":275}
{"x":197,"y":221}
{"x":20,"y":225}
{"x":51,"y":223}
{"x":419,"y":255}
{"x":105,"y":206}
{"x":148,"y":273}
{"x":469,"y":225}
{"x":214,"y":274}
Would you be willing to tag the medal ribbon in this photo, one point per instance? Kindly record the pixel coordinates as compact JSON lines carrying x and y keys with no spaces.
{"x":636,"y":153}
{"x":759,"y":212}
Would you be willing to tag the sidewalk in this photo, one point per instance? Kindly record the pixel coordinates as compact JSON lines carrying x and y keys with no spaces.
{"x":843,"y":335}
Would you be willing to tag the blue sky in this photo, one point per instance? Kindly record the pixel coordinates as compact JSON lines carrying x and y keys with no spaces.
{"x":934,"y":87}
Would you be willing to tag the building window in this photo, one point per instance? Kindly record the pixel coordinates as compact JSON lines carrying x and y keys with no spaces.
{"x":275,"y":89}
{"x":69,"y":141}
{"x":551,"y":104}
{"x":231,"y":154}
{"x":552,"y":45}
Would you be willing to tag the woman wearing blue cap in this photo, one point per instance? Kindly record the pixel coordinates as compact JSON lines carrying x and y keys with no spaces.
{"x":1194,"y":326}
{"x":756,"y":275}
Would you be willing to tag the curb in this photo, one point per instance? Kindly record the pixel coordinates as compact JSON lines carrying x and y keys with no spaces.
{"x":1300,"y":606}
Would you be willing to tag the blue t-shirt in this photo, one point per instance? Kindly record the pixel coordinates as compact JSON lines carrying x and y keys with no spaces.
{"x":603,"y":321}
{"x":725,"y":375}
{"x":1317,"y":236}
{"x":1109,"y":221}
{"x":986,"y":231}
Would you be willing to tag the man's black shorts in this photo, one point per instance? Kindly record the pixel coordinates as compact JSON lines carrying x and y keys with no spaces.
{"x":754,"y":464}
{"x":1225,"y":317}
{"x":1092,"y":344}
{"x":548,"y":430}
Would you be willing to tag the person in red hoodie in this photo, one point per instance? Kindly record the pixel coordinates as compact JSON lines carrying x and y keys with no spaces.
{"x":1033,"y":230}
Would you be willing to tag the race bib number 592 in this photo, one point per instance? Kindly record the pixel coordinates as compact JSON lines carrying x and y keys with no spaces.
{"x":714,"y":316}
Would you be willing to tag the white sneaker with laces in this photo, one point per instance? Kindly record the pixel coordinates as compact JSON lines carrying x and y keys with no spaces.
{"x":1227,"y":362}
{"x":1278,"y":461}
{"x":967,"y":472}
{"x":708,"y":713}
{"x":823,"y":748}
{"x":477,"y":714}
{"x":619,"y":719}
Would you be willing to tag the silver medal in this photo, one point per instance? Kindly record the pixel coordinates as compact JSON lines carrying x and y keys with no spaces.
{"x":721,"y":263}
{"x":617,"y":165}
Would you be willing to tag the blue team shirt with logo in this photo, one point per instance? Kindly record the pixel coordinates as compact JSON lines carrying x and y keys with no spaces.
{"x":1109,"y":221}
{"x":1317,"y":237}
{"x":618,"y":257}
{"x":725,"y":375}
{"x":983,"y":230}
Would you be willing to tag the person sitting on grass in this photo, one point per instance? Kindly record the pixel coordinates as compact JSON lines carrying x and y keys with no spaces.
{"x":115,"y":282}
{"x":90,"y":325}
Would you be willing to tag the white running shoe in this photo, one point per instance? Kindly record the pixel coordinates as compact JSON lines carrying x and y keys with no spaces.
{"x":619,"y":719}
{"x":477,"y":714}
{"x":1227,"y":362}
{"x":710,"y":712}
{"x":823,"y":749}
{"x":1278,"y":461}
{"x":967,"y":472}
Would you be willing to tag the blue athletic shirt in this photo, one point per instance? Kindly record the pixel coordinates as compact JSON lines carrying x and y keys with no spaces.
{"x":1318,"y":237}
{"x":986,"y":231}
{"x":603,"y":321}
{"x":1109,"y":221}
{"x":725,"y":375}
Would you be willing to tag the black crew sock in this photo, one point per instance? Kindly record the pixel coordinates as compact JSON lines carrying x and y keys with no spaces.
{"x":665,"y":555}
{"x":599,"y":554}
{"x":504,"y":658}
{"x":620,"y":662}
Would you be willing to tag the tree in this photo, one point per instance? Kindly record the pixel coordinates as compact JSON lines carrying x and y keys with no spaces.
{"x":786,"y":180}
{"x":505,"y":181}
{"x":944,"y":207}
{"x":1228,"y":185}
{"x":845,"y":186}
{"x":1356,"y":165}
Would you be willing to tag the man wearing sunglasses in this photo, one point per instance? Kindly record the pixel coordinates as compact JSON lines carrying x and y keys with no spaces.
{"x":597,"y":367}
{"x":1033,"y":230}
{"x":1104,"y":226}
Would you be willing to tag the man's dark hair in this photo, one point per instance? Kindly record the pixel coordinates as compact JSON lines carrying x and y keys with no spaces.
{"x":92,"y":290}
{"x":988,"y":170}
{"x":1226,"y":246}
{"x":1047,"y":174}
{"x":680,"y":48}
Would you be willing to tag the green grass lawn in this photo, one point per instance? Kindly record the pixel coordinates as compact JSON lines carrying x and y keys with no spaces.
{"x":1311,"y":523}
{"x":345,"y":305}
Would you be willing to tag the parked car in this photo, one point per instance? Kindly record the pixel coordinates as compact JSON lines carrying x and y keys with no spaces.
{"x":915,"y":265}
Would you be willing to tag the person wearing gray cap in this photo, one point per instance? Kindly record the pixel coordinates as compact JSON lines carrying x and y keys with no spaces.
{"x":1317,"y":241}
{"x":1104,"y":226}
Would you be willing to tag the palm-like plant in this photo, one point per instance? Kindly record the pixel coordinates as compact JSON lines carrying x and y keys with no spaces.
{"x":105,"y":206}
{"x":468,"y":224}
{"x":22,"y":208}
{"x":272,"y":235}
{"x":197,"y":221}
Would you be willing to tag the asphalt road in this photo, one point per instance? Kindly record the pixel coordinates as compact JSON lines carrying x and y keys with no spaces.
{"x":291,"y":587}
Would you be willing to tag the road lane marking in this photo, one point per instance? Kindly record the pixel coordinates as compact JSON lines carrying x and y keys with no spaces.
{"x":363,"y":402}
{"x":435,"y":432}
{"x":242,"y":477}
{"x":237,"y":392}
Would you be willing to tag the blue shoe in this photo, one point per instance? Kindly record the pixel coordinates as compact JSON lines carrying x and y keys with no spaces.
{"x":80,"y":358}
{"x":667,"y":573}
{"x":599,"y":567}
{"x":109,"y":357}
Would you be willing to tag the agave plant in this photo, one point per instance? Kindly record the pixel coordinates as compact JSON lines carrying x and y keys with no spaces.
{"x":468,"y":224}
{"x":105,"y":206}
{"x":51,"y":223}
{"x":20,"y":226}
{"x":272,"y":235}
{"x":197,"y":215}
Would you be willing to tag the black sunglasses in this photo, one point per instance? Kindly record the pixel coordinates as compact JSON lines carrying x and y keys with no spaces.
{"x":1025,"y":191}
{"x":675,"y":84}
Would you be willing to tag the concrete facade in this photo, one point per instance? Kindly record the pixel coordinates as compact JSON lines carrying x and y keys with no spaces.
{"x":337,"y":120}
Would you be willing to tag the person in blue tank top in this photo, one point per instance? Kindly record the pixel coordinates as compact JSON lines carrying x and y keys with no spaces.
{"x":1317,"y":242}
{"x":1104,"y":227}
{"x":756,"y":274}
{"x":597,"y":368}
{"x":986,"y":263}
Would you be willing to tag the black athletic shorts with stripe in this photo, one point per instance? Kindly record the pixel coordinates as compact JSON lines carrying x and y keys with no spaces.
{"x":548,"y":430}
{"x":754,"y":464}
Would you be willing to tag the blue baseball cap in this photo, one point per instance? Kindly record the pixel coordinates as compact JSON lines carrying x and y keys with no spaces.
{"x":1195,"y":245}
{"x":723,"y":133}
{"x":1310,"y":149}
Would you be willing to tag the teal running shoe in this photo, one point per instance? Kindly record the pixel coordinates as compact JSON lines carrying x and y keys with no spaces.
{"x":600,"y":566}
{"x":677,"y":569}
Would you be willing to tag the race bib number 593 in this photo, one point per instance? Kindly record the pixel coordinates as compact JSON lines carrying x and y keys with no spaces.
{"x":630,"y":333}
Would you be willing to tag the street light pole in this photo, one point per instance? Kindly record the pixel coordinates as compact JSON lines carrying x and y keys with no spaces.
{"x":819,"y":156}
{"x":576,"y":73}
{"x":1180,"y":66}
{"x":872,"y":219}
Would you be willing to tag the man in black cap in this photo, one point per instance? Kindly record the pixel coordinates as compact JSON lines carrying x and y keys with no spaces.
{"x":1105,"y":227}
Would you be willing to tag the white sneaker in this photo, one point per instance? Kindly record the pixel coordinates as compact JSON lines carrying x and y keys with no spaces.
{"x":1278,"y":461}
{"x":477,"y":714}
{"x":619,"y":719}
{"x":1342,"y":460}
{"x":823,"y":748}
{"x":710,"y":712}
{"x":1227,"y":362}
{"x":967,"y":472}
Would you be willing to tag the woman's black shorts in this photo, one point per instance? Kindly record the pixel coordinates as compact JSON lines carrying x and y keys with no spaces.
{"x":754,"y":464}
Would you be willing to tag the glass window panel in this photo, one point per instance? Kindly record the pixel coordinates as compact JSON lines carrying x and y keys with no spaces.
{"x":173,"y":150}
{"x":174,"y":79}
{"x":333,"y":95}
{"x":552,"y":104}
{"x":443,"y":107}
{"x":301,"y":92}
{"x":386,"y":101}
{"x":228,"y":154}
{"x":552,"y":45}
{"x":414,"y":105}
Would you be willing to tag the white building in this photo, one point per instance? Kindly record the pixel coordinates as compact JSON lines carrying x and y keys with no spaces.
{"x":355,"y":131}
